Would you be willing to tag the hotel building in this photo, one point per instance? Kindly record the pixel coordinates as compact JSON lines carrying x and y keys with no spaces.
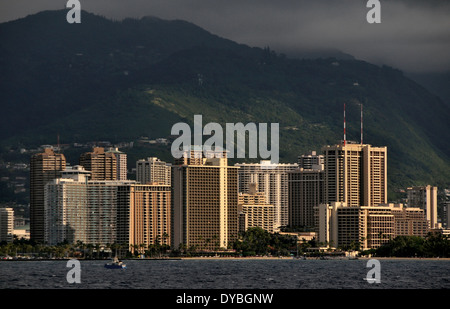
{"x":153,"y":170}
{"x":101,"y":164}
{"x":409,"y":220}
{"x":121,"y":163}
{"x":378,"y":226}
{"x":254,"y":211}
{"x":355,"y":174}
{"x":205,"y":201}
{"x":446,"y":215}
{"x":340,"y":225}
{"x":44,"y":167}
{"x":311,"y":161}
{"x":79,"y":209}
{"x":306,"y":191}
{"x":6,"y":224}
{"x":272,"y":179}
{"x":66,"y":211}
{"x":144,"y":215}
{"x":424,"y":197}
{"x":370,"y":226}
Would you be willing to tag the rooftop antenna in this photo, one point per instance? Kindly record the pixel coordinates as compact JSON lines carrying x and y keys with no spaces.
{"x":345,"y":136}
{"x":361,"y":124}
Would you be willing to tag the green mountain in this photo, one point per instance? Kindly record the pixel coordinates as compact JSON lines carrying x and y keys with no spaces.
{"x":437,"y":83}
{"x":118,"y":80}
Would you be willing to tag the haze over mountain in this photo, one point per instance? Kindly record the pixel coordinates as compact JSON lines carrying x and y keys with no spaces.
{"x":118,"y":80}
{"x":413,"y":35}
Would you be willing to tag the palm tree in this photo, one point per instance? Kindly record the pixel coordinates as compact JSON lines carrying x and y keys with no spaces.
{"x":200,"y":239}
{"x":107,"y":247}
{"x":81,"y":246}
{"x":216,"y":243}
{"x":9,"y":248}
{"x":157,"y":244}
{"x":38,"y":248}
{"x":363,"y":239}
{"x":142,"y":248}
{"x":207,"y":241}
{"x":165,"y":242}
{"x":90,"y":248}
{"x":97,"y":248}
{"x":165,"y":238}
{"x":124,"y":246}
{"x":114,"y":247}
{"x":27,"y":248}
{"x":182,"y":248}
{"x":67,"y":248}
{"x":135,"y":248}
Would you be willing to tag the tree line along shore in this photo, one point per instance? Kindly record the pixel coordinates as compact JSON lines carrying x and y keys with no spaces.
{"x":254,"y":243}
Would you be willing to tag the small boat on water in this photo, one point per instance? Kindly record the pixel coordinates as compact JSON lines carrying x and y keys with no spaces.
{"x":115,"y":264}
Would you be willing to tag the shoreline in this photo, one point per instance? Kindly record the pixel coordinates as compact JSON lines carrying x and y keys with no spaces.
{"x":236,"y":258}
{"x":312,"y":258}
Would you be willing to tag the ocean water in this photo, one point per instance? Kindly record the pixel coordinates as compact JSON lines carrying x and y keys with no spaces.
{"x":228,"y":274}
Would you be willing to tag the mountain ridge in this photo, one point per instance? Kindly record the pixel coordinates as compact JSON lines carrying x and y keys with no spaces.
{"x":124,"y":79}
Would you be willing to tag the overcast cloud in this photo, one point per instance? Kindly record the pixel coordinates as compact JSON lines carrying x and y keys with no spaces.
{"x":414,"y":35}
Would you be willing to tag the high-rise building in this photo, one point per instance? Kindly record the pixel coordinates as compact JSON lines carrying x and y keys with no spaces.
{"x":44,"y":167}
{"x":153,"y":170}
{"x":424,"y":197}
{"x":324,"y":214}
{"x":6,"y":224}
{"x":79,"y":209}
{"x":446,"y":215}
{"x":101,"y":164}
{"x":121,"y":163}
{"x":254,"y":210}
{"x":144,"y":215}
{"x":102,"y":205}
{"x":311,"y":161}
{"x":306,"y":191}
{"x":106,"y":211}
{"x":194,"y":156}
{"x":205,"y":200}
{"x":355,"y":174}
{"x":272,"y":179}
{"x":66,"y":211}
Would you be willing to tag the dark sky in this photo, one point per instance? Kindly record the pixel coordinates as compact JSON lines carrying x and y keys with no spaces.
{"x":414,"y":35}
